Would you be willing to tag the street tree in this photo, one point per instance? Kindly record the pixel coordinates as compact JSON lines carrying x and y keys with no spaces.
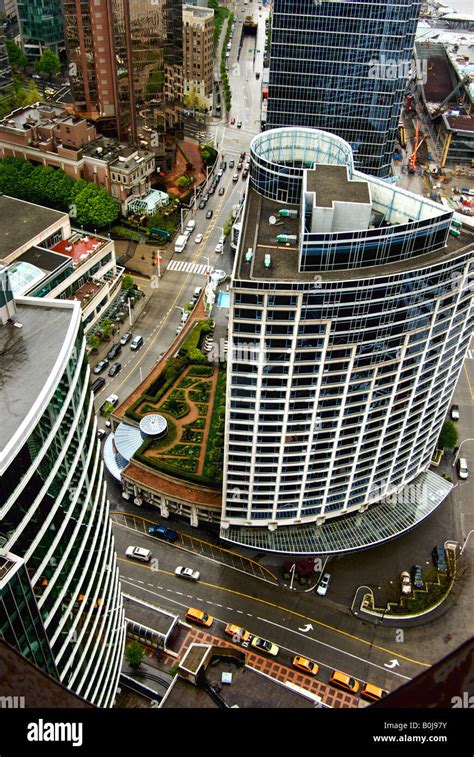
{"x":49,"y":64}
{"x":449,"y":436}
{"x":16,"y":57}
{"x":134,"y":654}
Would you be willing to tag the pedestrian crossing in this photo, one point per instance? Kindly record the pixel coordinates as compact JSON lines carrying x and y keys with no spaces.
{"x":185,"y":266}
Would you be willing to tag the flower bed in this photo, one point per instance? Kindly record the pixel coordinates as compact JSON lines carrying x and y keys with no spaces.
{"x":186,"y":383}
{"x":184,"y":450}
{"x":180,"y":463}
{"x":201,"y":370}
{"x":174,"y":408}
{"x":199,"y":396}
{"x":191,"y":436}
{"x":202,"y":409}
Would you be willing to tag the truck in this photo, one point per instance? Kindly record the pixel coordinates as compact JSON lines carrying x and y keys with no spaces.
{"x":180,"y":243}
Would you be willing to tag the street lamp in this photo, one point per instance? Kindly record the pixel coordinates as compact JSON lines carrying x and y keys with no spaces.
{"x":129,"y":312}
{"x":182,"y":210}
{"x":459,"y":450}
{"x":466,"y":540}
{"x":292,"y":571}
{"x":204,"y":257}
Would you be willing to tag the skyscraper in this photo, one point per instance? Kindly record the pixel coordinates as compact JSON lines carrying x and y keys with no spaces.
{"x":342,"y":67}
{"x":60,"y":597}
{"x":41,"y":26}
{"x":349,"y":322}
{"x":5,"y":70}
{"x":125,"y":55}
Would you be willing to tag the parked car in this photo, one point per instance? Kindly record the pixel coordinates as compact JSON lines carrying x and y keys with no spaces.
{"x":101,"y":366}
{"x":138,"y":553}
{"x":344,"y":681}
{"x":265,"y":646}
{"x":323,"y":584}
{"x":235,"y":177}
{"x":405,"y":582}
{"x":126,"y":338}
{"x":202,"y":205}
{"x":114,"y":351}
{"x":417,"y":576}
{"x":239,"y":635}
{"x":179,"y":329}
{"x":189,"y":573}
{"x":199,"y":617}
{"x":372,"y":693}
{"x":162,"y":532}
{"x":307,"y":666}
{"x":212,"y":189}
{"x":221,"y":191}
{"x":112,"y":399}
{"x":455,"y":412}
{"x":98,"y":384}
{"x":198,"y":238}
{"x":221,"y":239}
{"x":114,"y":369}
{"x":209,"y":214}
{"x":239,"y":165}
{"x":218,"y":247}
{"x":232,"y":120}
{"x":463,"y":470}
{"x":239,"y":124}
{"x":101,"y":434}
{"x":439,"y":559}
{"x":243,"y":155}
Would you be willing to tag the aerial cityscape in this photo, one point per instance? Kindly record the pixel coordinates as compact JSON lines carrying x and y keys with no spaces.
{"x":236,"y":364}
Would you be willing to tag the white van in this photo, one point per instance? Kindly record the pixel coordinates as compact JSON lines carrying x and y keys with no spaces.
{"x":190,"y":226}
{"x":136,"y":343}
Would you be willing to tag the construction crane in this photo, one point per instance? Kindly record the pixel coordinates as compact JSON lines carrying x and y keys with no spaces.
{"x":416,"y":146}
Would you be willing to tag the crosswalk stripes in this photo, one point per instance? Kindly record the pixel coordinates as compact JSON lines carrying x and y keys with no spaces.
{"x":185,"y":266}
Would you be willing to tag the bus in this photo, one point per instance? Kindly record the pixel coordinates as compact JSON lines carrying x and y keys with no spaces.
{"x":402,"y":135}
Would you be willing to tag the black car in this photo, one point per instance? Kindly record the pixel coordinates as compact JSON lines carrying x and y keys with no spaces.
{"x":243,"y":155}
{"x":209,"y":214}
{"x":101,"y":366}
{"x":231,"y":163}
{"x":439,"y":559}
{"x":202,"y":205}
{"x":206,"y":197}
{"x":115,"y":368}
{"x":98,"y":384}
{"x":416,"y":573}
{"x":223,"y":165}
{"x":221,"y":191}
{"x":114,"y":351}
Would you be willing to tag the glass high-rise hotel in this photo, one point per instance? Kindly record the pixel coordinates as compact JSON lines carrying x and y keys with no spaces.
{"x":41,"y":26}
{"x":350,"y":317}
{"x":60,"y":597}
{"x":342,"y":67}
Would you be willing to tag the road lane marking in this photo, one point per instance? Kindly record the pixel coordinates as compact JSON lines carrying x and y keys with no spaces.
{"x":306,"y":618}
{"x":330,"y":646}
{"x":469,"y":383}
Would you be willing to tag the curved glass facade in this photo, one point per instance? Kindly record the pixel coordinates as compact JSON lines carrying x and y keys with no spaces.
{"x":338,"y":388}
{"x":54,"y":521}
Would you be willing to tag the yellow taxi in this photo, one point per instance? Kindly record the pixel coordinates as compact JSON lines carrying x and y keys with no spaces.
{"x":343,"y":681}
{"x":307,"y":666}
{"x":239,"y":635}
{"x":372,"y":693}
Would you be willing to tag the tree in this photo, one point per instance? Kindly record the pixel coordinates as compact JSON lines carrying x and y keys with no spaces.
{"x":196,"y":356}
{"x":134,"y":654}
{"x":94,"y":206}
{"x":49,"y":64}
{"x":127,"y":282}
{"x":194,"y":101}
{"x":93,"y":342}
{"x":16,"y":56}
{"x":449,"y":436}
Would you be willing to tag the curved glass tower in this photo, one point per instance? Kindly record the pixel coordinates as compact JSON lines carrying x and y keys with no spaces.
{"x":60,"y":596}
{"x":349,"y":323}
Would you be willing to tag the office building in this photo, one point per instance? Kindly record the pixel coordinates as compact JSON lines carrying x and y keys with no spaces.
{"x":198,"y":49}
{"x":40,"y":26}
{"x":349,"y":323}
{"x":125,"y":64}
{"x":60,"y":596}
{"x":342,"y":67}
{"x":5,"y":70}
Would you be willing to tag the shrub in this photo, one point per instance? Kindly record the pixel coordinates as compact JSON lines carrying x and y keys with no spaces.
{"x":200,"y":370}
{"x":449,"y":436}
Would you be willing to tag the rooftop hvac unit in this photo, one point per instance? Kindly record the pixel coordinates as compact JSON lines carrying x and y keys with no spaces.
{"x":287,"y":238}
{"x":267,"y":262}
{"x":286,"y":213}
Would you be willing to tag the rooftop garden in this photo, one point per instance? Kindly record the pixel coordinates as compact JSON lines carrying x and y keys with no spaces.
{"x":190,"y":394}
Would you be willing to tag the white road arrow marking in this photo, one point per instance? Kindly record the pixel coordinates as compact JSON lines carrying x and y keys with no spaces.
{"x":392,"y":664}
{"x":306,"y":628}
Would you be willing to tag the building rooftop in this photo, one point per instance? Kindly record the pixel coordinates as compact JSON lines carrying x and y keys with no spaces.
{"x":79,"y":247}
{"x":33,"y":115}
{"x":261,"y":236}
{"x":332,"y":184}
{"x":461,"y":123}
{"x":32,"y":266}
{"x":114,"y":153}
{"x":30,"y":221}
{"x":27,"y":358}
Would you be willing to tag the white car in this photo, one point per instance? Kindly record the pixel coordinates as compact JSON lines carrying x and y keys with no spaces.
{"x":189,"y":573}
{"x":323,"y":584}
{"x":221,"y":239}
{"x":265,"y":646}
{"x":112,"y":399}
{"x":179,"y":329}
{"x":463,"y":470}
{"x":405,"y":582}
{"x":455,"y":415}
{"x":198,"y":238}
{"x":138,"y":553}
{"x":218,"y":247}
